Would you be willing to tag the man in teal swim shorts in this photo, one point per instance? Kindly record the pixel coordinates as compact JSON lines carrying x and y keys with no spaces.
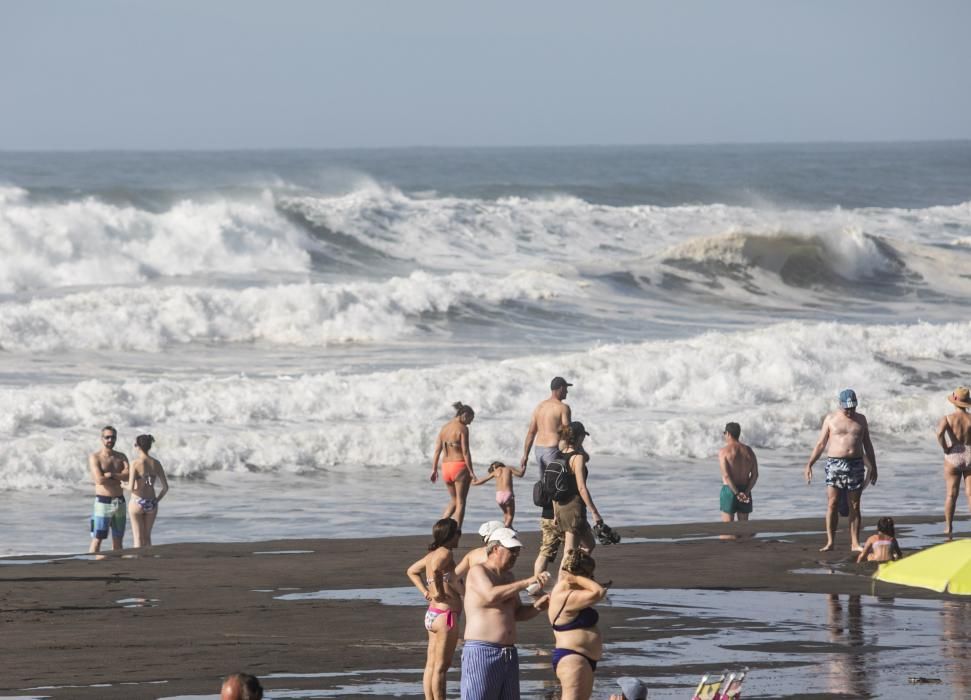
{"x":740,"y":471}
{"x":109,"y":470}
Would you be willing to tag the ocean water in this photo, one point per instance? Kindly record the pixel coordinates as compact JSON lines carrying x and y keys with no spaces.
{"x":294,"y":326}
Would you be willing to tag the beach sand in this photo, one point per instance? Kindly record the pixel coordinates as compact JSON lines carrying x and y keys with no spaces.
{"x":174,"y":619}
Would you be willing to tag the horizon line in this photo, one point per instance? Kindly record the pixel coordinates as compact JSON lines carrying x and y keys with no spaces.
{"x":699,"y":144}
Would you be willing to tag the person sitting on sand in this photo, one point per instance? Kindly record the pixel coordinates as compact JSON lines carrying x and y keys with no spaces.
{"x":490,"y":663}
{"x":954,"y":437}
{"x":445,"y":604}
{"x":505,"y":497}
{"x":452,"y":445}
{"x":633,"y":689}
{"x":740,"y":471}
{"x":579,"y":643}
{"x":845,"y":436}
{"x":109,"y":471}
{"x":144,"y":473}
{"x":883,"y":545}
{"x":241,"y":686}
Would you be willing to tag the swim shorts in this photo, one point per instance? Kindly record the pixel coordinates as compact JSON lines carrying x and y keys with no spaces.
{"x":729,"y":502}
{"x":489,"y":672}
{"x":552,"y":538}
{"x":108,"y":513}
{"x":545,"y":455}
{"x":845,"y":473}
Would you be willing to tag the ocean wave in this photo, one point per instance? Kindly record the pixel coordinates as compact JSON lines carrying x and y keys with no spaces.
{"x":648,"y":401}
{"x":151,"y":318}
{"x":90,"y":242}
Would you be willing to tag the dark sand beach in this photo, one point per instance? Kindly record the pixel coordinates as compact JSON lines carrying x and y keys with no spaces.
{"x":172,"y":620}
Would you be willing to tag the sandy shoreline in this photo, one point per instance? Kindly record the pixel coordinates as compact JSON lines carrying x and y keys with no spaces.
{"x":207,"y":609}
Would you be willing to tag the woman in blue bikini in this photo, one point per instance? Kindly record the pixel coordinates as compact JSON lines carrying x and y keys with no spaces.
{"x":144,"y":474}
{"x":579,"y":644}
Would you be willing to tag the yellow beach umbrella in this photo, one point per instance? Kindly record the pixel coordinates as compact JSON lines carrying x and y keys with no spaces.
{"x":944,"y":567}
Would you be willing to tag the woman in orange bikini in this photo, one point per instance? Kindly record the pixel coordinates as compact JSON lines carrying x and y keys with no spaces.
{"x":954,"y":437}
{"x":452,"y":446}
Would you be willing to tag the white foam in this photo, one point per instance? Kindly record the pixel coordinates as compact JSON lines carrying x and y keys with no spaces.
{"x":659,"y":399}
{"x":150,"y":318}
{"x":90,"y":242}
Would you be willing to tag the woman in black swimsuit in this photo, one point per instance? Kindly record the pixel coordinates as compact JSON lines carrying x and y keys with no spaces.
{"x":579,"y":644}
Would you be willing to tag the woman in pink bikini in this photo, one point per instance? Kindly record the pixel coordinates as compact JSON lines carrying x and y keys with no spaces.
{"x":443,"y":591}
{"x":954,"y":437}
{"x":452,"y":446}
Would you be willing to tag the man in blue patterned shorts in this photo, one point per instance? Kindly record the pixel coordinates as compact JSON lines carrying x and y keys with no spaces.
{"x":109,"y":470}
{"x":850,"y":465}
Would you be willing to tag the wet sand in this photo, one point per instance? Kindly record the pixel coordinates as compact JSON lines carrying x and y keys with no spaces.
{"x":172,"y":620}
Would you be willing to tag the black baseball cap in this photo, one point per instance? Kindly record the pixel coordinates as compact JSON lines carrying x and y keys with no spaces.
{"x":558,"y":383}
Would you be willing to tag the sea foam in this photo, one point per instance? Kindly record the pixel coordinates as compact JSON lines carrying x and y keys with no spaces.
{"x":655,"y":400}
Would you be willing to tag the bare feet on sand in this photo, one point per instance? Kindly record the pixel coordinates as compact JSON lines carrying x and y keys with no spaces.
{"x":827,"y":548}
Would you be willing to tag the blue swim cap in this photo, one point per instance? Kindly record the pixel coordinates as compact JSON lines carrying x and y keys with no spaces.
{"x":847,"y":398}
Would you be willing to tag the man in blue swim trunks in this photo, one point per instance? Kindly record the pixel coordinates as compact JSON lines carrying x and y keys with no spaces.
{"x":851,"y":465}
{"x":109,"y":470}
{"x":490,"y":662}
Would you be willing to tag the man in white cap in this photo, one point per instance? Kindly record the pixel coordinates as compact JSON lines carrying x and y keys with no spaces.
{"x":850,"y":465}
{"x":479,"y":554}
{"x":490,"y":664}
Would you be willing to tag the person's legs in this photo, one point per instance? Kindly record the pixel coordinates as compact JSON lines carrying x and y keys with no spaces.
{"x":462,"y":483}
{"x":549,"y":545}
{"x":967,"y":489}
{"x":100,"y":524}
{"x":952,"y":484}
{"x":742,"y":516}
{"x":832,"y":517}
{"x":95,"y":545}
{"x":137,"y":524}
{"x":450,"y":508}
{"x":575,"y":676}
{"x":445,"y":650}
{"x":855,"y":519}
{"x":508,"y":512}
{"x":427,"y":678}
{"x":149,"y":524}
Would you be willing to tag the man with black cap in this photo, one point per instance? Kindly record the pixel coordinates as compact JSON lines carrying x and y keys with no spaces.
{"x":850,"y":465}
{"x":544,"y":428}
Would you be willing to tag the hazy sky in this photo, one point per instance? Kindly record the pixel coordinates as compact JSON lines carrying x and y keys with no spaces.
{"x":245,"y":74}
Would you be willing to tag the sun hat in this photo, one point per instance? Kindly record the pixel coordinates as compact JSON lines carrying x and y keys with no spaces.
{"x":505,"y":536}
{"x":961,"y":397}
{"x":486,"y":529}
{"x":848,"y":398}
{"x":633,"y":688}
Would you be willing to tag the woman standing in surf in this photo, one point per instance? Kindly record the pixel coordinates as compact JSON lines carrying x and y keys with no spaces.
{"x":452,"y":446}
{"x":954,"y":437}
{"x":145,"y":473}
